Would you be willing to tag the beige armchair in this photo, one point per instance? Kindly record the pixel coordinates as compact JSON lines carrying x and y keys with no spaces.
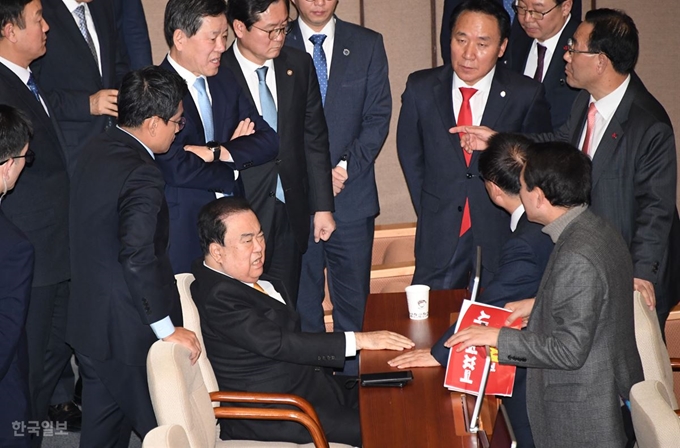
{"x":656,"y":423}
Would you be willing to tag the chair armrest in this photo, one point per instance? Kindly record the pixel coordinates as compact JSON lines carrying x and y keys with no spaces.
{"x":677,"y":412}
{"x":675,"y":364}
{"x":393,"y":269}
{"x":318,"y":436}
{"x":266,"y":398}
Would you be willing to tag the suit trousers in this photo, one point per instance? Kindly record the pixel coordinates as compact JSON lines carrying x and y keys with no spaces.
{"x":116,"y":400}
{"x":517,"y":410}
{"x":282,"y":255}
{"x":48,"y":352}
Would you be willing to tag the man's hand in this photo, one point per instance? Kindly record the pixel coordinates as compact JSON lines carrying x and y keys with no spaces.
{"x":207,"y":155}
{"x":521,"y":309}
{"x":414,"y":358}
{"x":104,"y":102}
{"x":339,"y":178}
{"x":382,"y":340}
{"x":324,"y":226}
{"x":245,"y":127}
{"x":187,"y":338}
{"x":646,"y":288}
{"x":477,"y":335}
{"x":473,"y":138}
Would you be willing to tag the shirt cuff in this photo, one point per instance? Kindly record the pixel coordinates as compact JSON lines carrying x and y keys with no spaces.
{"x":350,"y":344}
{"x":342,"y":164}
{"x":163,"y":328}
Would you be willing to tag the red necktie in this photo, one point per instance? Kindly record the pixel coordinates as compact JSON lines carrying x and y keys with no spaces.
{"x":592,"y":110}
{"x":465,"y":119}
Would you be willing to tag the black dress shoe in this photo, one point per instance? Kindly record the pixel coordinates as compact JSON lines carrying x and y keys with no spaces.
{"x":68,"y":413}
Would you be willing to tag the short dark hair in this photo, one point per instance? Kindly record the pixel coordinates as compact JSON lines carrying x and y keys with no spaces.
{"x":614,"y":34}
{"x":187,"y":15}
{"x":561,"y":171}
{"x":503,"y":160}
{"x":15,"y":131}
{"x":248,"y":11}
{"x":211,"y":227}
{"x":148,"y":92}
{"x":12,"y":11}
{"x":490,"y":8}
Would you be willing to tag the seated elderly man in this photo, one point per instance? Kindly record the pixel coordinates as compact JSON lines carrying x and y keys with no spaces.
{"x":252,"y":332}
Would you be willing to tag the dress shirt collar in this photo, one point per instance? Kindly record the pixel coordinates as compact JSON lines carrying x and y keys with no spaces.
{"x":516,"y":216}
{"x":607,"y":105}
{"x":71,"y":5}
{"x":22,"y":73}
{"x":483,"y":85}
{"x":264,"y":284}
{"x":555,"y":228}
{"x":307,"y":32}
{"x":189,"y":77}
{"x":153,"y":156}
{"x":248,"y":66}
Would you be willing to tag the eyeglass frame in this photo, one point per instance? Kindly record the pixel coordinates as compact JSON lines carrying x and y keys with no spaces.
{"x":536,"y":15}
{"x":29,"y":156}
{"x":569,"y":48}
{"x":285,"y":30}
{"x":181,"y":122}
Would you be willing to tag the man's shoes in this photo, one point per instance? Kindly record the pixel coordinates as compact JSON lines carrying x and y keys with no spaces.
{"x":67,"y":412}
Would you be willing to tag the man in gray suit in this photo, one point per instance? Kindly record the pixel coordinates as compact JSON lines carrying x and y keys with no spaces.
{"x":579,"y":344}
{"x":629,"y":137}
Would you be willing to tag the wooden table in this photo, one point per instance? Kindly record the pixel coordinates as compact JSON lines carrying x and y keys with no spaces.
{"x":423,"y":413}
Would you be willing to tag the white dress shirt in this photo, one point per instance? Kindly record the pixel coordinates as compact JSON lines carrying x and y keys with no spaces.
{"x":478,"y":100}
{"x":516,"y":216}
{"x":23,"y":74}
{"x":71,"y":5}
{"x":248,"y":68}
{"x":550,"y":45}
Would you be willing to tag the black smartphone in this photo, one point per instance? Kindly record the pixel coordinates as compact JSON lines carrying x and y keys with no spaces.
{"x":387,"y":379}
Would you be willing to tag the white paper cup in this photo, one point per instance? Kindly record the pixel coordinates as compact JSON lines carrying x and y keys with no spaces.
{"x":418,"y":298}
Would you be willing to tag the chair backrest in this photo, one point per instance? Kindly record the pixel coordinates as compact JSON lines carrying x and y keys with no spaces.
{"x":655,"y":422}
{"x":179,"y":395}
{"x":192,"y":322}
{"x":653,"y":353}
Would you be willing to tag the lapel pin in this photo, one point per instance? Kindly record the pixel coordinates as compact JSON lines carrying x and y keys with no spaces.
{"x":345,"y":52}
{"x":289,"y":72}
{"x":614,"y":136}
{"x":503,"y":94}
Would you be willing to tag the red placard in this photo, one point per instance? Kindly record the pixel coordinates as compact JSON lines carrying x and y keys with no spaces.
{"x":464,"y":369}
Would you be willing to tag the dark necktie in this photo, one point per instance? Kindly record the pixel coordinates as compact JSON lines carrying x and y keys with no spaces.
{"x":465,"y":119}
{"x":319,"y":57}
{"x":82,"y":26}
{"x":538,"y":76}
{"x":33,"y":87}
{"x":269,"y":113}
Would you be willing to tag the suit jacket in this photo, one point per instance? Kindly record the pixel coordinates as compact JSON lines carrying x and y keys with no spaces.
{"x":358,"y":108}
{"x":134,"y":32}
{"x":38,"y":205}
{"x":579,"y":346}
{"x":254,"y":344}
{"x":16,"y":274}
{"x":557,"y":91}
{"x":634,"y":181}
{"x":520,"y":268}
{"x":304,"y":160}
{"x":68,"y":74}
{"x":190,"y":182}
{"x":122,"y":280}
{"x":434,"y":166}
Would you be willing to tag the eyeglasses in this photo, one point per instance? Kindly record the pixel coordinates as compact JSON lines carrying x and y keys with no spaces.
{"x":181,"y":122}
{"x":570,"y":48}
{"x":536,"y":15}
{"x":29,"y":156}
{"x":276,"y":32}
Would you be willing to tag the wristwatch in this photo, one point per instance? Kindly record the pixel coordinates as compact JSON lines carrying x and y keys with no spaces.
{"x":216,"y":149}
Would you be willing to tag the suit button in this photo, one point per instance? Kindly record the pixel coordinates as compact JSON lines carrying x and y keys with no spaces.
{"x":272,"y":194}
{"x":460,"y":209}
{"x":468,"y":175}
{"x":277,"y":161}
{"x":247,"y":164}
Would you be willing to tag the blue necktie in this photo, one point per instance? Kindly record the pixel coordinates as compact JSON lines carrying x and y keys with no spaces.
{"x":320,"y":63}
{"x":33,"y":87}
{"x":206,"y":109}
{"x":268,"y":107}
{"x":507,"y":4}
{"x":82,"y":26}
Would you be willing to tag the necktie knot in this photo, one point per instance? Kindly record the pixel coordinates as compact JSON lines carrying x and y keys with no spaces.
{"x":262,"y":73}
{"x":33,"y":86}
{"x":80,"y":12}
{"x":592,"y":110}
{"x":467,"y":93}
{"x":317,"y":39}
{"x":590,"y":126}
{"x":257,"y":286}
{"x":541,"y":50}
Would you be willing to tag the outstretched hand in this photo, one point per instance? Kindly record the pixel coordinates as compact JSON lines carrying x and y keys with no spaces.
{"x":473,"y":138}
{"x":414,"y":358}
{"x":382,"y":340}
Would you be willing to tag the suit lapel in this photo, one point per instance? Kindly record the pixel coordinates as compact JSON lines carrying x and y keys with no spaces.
{"x":294,"y":39}
{"x":343,"y":44}
{"x":229,"y":60}
{"x":190,"y":109}
{"x":498,"y":99}
{"x":285,"y":84}
{"x":100,"y":23}
{"x":444,"y":101}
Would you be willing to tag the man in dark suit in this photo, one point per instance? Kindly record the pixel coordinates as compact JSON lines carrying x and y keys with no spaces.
{"x":357,"y":106}
{"x":16,"y":274}
{"x":521,"y":265}
{"x":454,"y":211}
{"x":133,"y":30}
{"x":630,"y":140}
{"x":579,"y":344}
{"x":81,"y":70}
{"x":252,"y":333}
{"x":39,"y":204}
{"x":124,"y":295}
{"x":538,"y":51}
{"x":223,"y":130}
{"x":284,"y":87}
